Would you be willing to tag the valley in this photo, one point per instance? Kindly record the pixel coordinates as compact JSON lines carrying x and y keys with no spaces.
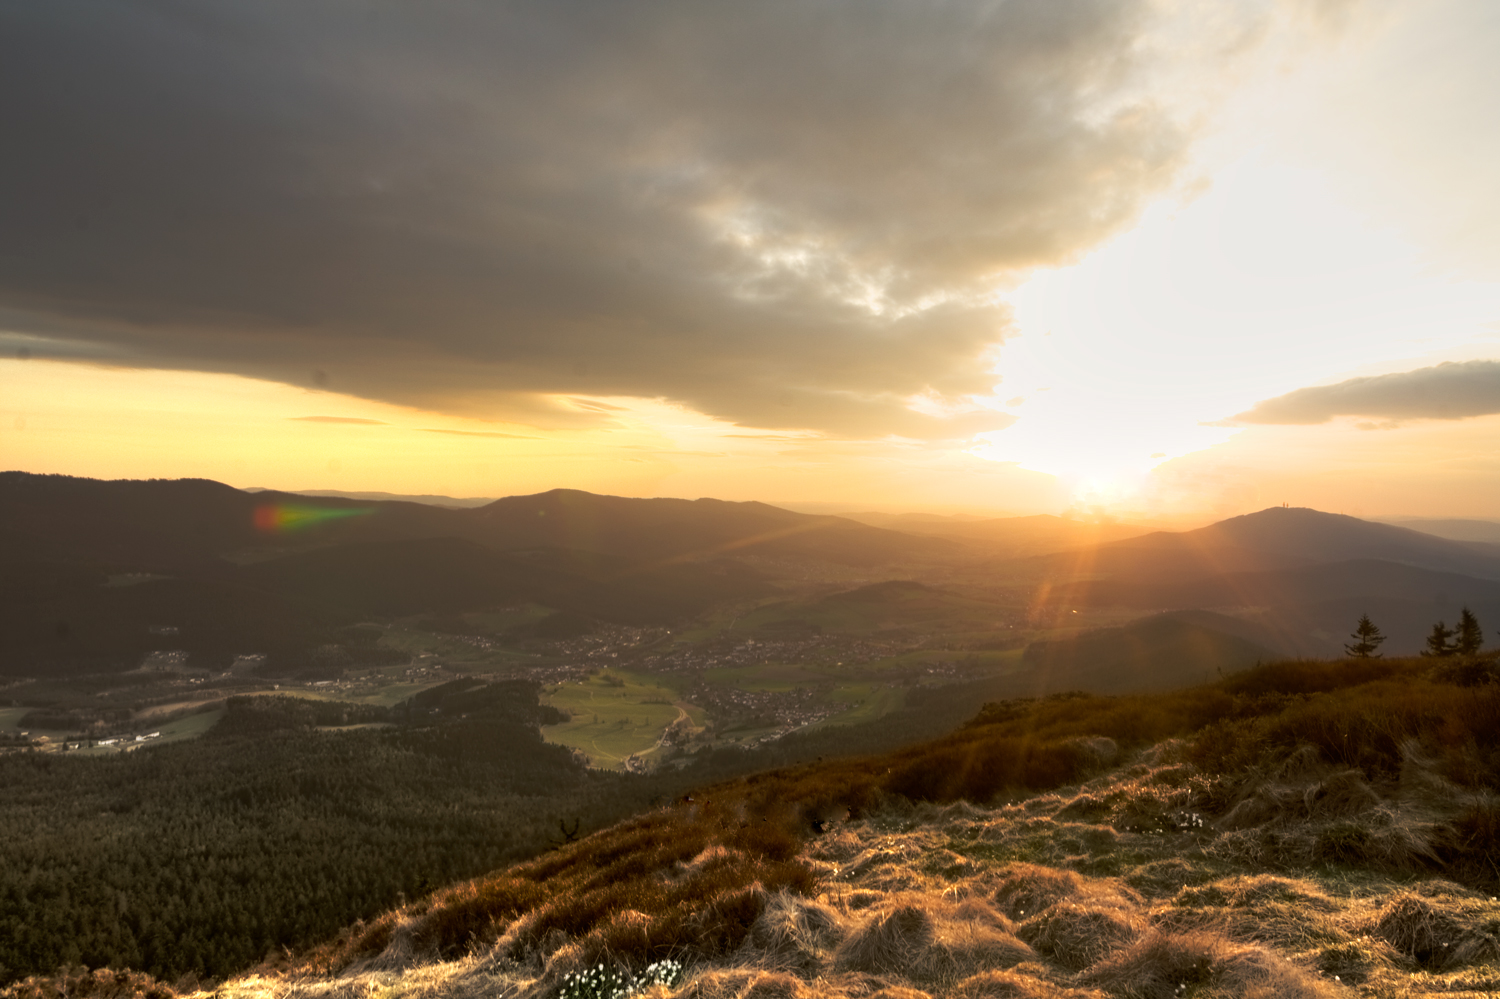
{"x":755,"y":623}
{"x":454,"y":690}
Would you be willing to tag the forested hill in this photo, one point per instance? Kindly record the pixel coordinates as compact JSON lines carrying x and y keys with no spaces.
{"x":284,"y":822}
{"x":174,"y":524}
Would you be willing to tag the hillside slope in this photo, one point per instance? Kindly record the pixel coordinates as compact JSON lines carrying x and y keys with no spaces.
{"x":1297,"y":830}
{"x":1160,"y":652}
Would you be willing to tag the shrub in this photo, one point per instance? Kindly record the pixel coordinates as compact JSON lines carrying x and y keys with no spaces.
{"x":81,"y":983}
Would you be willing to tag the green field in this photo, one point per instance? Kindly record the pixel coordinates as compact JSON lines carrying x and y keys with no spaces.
{"x":870,"y":700}
{"x":10,"y":718}
{"x":178,"y":729}
{"x":386,"y":696}
{"x":615,"y":715}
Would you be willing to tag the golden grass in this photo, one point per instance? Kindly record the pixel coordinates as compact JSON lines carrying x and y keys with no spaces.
{"x":1265,"y":836}
{"x":997,"y":927}
{"x":929,"y":942}
{"x":1169,"y":965}
{"x":81,"y":983}
{"x":1076,"y":936}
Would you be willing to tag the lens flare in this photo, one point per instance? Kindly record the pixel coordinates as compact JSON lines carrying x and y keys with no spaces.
{"x":284,"y":518}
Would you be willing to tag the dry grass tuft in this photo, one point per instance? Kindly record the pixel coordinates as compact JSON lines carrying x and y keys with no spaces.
{"x":775,"y":985}
{"x":1255,"y":889}
{"x":898,"y":992}
{"x":1077,"y":936}
{"x":1424,"y":931}
{"x":1356,"y":961}
{"x":1302,"y":792}
{"x":928,"y":941}
{"x":1014,"y":984}
{"x":1169,"y":965}
{"x":795,"y":934}
{"x":1480,"y":944}
{"x":977,"y":910}
{"x":1165,"y":878}
{"x":1027,"y":889}
{"x":1030,"y":888}
{"x":1290,"y":913}
{"x":742,"y":983}
{"x":1473,"y":841}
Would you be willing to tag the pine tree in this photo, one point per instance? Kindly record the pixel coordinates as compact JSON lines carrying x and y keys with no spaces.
{"x":1366,"y":638}
{"x":1470,"y":635}
{"x":1440,"y":643}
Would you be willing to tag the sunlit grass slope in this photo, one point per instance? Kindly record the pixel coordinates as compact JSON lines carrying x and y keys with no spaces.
{"x":1302,"y":829}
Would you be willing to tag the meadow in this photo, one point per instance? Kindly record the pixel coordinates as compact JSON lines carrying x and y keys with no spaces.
{"x":617,"y":716}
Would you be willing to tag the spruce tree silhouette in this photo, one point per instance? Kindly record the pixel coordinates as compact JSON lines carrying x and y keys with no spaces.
{"x":1470,"y":635}
{"x":1439,"y":642}
{"x":1367,"y":638}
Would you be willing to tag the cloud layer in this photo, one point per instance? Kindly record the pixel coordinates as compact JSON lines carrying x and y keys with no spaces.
{"x":1449,"y":391}
{"x":782,"y":214}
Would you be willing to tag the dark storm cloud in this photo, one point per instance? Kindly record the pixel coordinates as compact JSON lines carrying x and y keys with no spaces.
{"x":783,"y":214}
{"x":1448,"y":391}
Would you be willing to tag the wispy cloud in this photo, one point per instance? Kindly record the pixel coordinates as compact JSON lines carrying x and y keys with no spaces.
{"x":598,"y":407}
{"x":479,"y":433}
{"x":1449,"y":391}
{"x":340,"y":419}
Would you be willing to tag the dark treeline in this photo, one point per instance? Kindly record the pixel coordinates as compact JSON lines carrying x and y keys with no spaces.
{"x":202,"y":857}
{"x":269,"y":832}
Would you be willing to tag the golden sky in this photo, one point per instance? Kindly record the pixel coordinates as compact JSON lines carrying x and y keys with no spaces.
{"x":1152,"y":257}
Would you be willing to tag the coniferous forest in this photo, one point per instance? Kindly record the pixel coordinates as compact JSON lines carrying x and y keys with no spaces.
{"x":292,"y":818}
{"x":201,"y":857}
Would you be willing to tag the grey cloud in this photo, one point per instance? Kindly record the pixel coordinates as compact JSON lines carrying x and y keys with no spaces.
{"x":1449,"y":391}
{"x":782,"y":214}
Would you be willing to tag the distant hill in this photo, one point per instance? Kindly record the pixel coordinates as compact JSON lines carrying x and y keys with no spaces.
{"x":76,"y":623}
{"x":1303,"y":575}
{"x":97,"y":574}
{"x":177,"y":524}
{"x":677,"y":529}
{"x":879,"y":607}
{"x":173,"y":524}
{"x":1355,"y":579}
{"x":430,"y":499}
{"x":1308,"y":610}
{"x":1162,"y":652}
{"x":1298,"y":536}
{"x":1483,"y":531}
{"x":397,"y":578}
{"x":1013,"y":537}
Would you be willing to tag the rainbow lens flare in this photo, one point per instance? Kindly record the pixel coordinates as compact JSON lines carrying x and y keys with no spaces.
{"x":284,"y":518}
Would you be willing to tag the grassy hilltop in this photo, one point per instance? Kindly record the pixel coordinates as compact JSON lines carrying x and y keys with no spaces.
{"x":1300,"y":829}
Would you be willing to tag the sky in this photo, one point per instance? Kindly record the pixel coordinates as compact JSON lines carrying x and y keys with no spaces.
{"x":1150,"y":259}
